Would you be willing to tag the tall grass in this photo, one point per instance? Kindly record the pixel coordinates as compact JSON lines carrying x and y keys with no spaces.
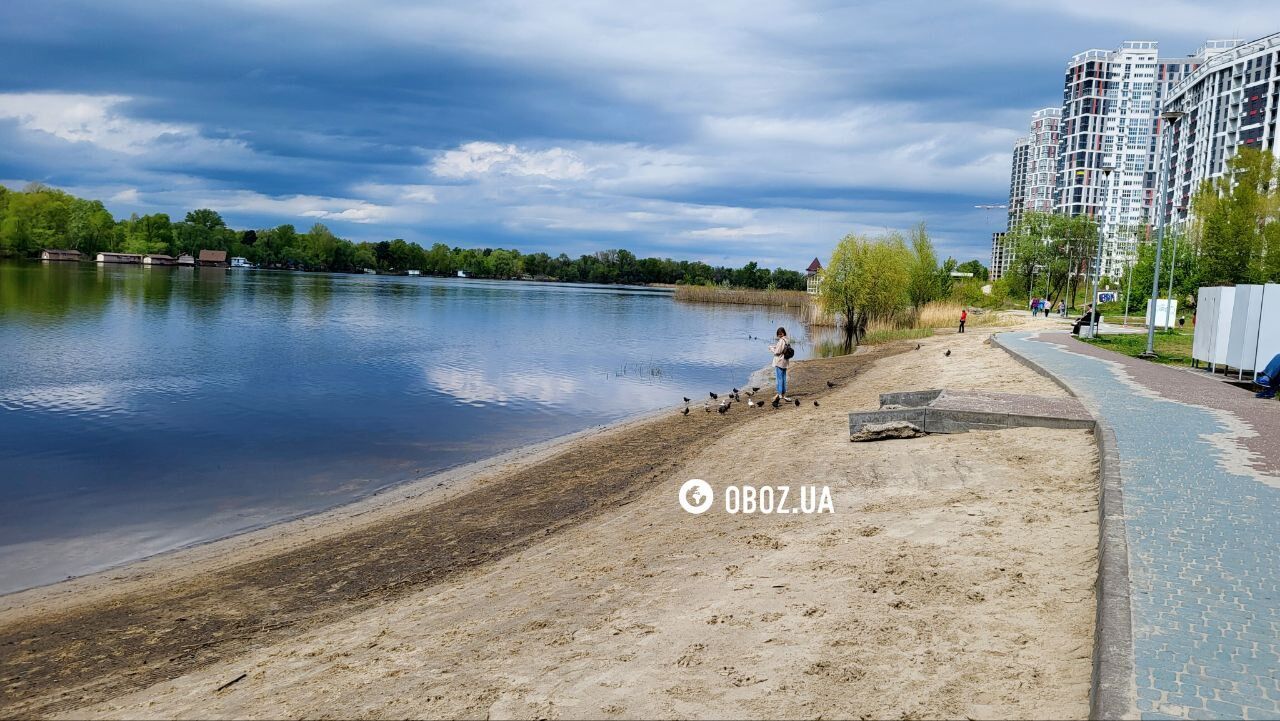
{"x":938,"y":314}
{"x":884,"y":335}
{"x":945,"y":313}
{"x":742,"y":296}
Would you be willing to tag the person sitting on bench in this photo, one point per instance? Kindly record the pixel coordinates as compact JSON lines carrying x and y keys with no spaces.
{"x":1269,"y":379}
{"x":1086,"y":319}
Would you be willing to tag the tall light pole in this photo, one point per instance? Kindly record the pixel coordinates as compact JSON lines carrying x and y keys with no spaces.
{"x":1097,"y":261}
{"x":1173,"y":265}
{"x":1170,"y":117}
{"x":1128,"y":273}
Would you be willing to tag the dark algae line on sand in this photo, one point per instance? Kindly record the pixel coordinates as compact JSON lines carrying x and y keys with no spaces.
{"x":118,"y":644}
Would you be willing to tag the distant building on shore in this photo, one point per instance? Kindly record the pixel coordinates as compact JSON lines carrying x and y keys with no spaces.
{"x":1000,"y":256}
{"x":158,"y":259}
{"x":813,"y":277}
{"x":186,"y":259}
{"x":213,"y":258}
{"x":127,"y":258}
{"x":57,"y":254}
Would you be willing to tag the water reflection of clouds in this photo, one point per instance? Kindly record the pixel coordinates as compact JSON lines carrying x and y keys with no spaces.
{"x":77,"y":398}
{"x":475,"y":387}
{"x":97,"y":398}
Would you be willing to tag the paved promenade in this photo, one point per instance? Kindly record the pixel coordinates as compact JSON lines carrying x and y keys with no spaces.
{"x":1199,"y":467}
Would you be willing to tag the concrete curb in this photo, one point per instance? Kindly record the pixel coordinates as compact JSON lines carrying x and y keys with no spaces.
{"x":1112,"y":694}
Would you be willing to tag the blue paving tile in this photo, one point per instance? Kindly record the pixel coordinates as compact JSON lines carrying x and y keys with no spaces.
{"x":1204,"y":548}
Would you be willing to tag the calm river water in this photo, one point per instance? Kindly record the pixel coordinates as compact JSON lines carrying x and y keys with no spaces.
{"x":146,"y":409}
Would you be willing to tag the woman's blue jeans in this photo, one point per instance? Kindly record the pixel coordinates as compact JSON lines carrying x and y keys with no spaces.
{"x":781,"y":375}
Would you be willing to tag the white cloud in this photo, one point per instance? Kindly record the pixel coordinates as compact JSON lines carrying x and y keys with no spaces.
{"x":99,"y":120}
{"x":90,"y":119}
{"x":231,"y":202}
{"x":746,"y":231}
{"x":419,"y":194}
{"x":480,"y":158}
{"x":476,"y":387}
{"x":1161,"y":16}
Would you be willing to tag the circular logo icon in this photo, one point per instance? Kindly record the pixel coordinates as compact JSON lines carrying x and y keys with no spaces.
{"x":696,"y":496}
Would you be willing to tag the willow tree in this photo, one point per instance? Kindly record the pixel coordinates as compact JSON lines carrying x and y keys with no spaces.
{"x":925,"y":284}
{"x":867,"y":279}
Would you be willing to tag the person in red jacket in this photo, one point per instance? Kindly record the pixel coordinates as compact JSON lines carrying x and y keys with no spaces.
{"x":964,"y":315}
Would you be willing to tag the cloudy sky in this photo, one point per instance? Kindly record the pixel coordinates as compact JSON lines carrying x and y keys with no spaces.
{"x":716,"y":131}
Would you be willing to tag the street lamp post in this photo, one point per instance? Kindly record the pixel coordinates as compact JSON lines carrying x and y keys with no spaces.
{"x":1097,"y":261}
{"x":1173,"y":265}
{"x":1128,"y":289}
{"x":1170,"y":117}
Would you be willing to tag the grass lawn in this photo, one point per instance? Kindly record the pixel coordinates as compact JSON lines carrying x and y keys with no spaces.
{"x":1172,"y":347}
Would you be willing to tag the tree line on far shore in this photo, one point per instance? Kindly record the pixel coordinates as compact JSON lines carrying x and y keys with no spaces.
{"x":1233,"y":239}
{"x":41,"y":217}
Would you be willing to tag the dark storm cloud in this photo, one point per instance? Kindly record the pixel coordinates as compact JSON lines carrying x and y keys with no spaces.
{"x":717,"y":131}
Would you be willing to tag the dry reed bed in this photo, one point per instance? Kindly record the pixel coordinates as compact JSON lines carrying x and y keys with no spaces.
{"x":742,"y":296}
{"x":938,"y":314}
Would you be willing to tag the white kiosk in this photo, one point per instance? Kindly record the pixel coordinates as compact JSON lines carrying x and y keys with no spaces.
{"x":1238,"y":327}
{"x":1242,"y":344}
{"x":1214,"y":307}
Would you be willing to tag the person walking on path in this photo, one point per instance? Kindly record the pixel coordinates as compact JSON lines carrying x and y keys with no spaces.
{"x":782,"y":354}
{"x":1062,"y":309}
{"x":964,"y":315}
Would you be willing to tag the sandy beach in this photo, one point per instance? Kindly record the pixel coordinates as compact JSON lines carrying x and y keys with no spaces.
{"x":954,"y":579}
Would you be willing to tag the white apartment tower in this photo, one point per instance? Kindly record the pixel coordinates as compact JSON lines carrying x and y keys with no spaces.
{"x":1110,"y":118}
{"x":1232,"y":100}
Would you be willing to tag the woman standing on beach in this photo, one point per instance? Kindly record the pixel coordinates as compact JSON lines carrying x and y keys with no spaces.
{"x":782,"y":353}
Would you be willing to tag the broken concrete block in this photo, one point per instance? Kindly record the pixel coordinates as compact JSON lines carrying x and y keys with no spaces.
{"x":883,"y":431}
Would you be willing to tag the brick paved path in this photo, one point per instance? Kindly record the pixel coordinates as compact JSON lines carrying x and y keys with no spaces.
{"x":1200,"y":472}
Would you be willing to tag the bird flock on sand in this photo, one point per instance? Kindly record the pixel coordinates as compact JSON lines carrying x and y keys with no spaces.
{"x":723,"y":405}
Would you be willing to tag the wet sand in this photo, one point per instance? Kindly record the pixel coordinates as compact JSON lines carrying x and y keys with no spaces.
{"x":955,"y":578}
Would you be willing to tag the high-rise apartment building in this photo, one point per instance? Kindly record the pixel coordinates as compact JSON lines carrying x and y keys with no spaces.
{"x":1110,"y":109}
{"x":1110,"y":119}
{"x":1031,"y":180}
{"x":1230,"y":101}
{"x":1111,"y":104}
{"x":1018,"y":179}
{"x":1042,"y":161}
{"x":999,"y":256}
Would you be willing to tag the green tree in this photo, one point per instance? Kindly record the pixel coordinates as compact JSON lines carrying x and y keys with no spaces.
{"x":925,"y":285}
{"x":976,"y":267}
{"x":867,"y":279}
{"x":205,"y":218}
{"x":1234,"y":212}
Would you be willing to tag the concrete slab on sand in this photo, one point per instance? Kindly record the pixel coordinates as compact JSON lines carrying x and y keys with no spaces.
{"x":951,"y":411}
